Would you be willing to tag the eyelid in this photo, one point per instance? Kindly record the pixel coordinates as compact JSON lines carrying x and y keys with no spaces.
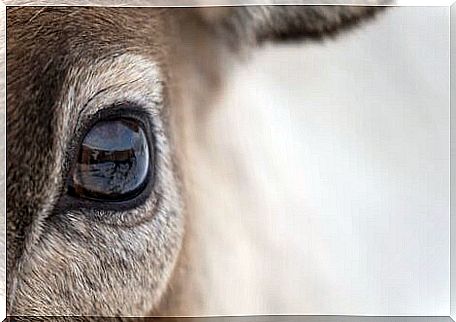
{"x":127,"y":109}
{"x":100,"y":92}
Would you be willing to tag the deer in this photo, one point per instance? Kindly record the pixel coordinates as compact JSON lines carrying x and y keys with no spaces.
{"x":104,"y":107}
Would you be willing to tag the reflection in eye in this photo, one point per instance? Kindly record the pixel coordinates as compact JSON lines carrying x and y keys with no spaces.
{"x":113,"y":161}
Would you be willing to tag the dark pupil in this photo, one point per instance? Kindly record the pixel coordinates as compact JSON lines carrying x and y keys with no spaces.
{"x":113,"y":161}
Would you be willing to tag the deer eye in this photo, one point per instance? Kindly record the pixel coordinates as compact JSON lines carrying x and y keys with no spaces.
{"x":113,"y":161}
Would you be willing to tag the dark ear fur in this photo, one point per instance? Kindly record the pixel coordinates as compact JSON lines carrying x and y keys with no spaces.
{"x":252,"y":25}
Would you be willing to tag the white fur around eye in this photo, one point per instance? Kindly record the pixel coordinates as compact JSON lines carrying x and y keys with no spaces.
{"x":137,"y":80}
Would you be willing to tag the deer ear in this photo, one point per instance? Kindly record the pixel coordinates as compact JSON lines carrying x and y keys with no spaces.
{"x":252,"y":25}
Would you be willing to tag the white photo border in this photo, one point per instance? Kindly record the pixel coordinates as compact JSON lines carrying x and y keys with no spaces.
{"x":451,"y":5}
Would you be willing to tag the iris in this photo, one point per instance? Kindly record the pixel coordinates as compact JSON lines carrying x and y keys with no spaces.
{"x":113,"y":161}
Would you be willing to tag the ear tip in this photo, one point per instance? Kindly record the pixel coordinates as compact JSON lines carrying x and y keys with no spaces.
{"x":253,"y":25}
{"x":322,"y":31}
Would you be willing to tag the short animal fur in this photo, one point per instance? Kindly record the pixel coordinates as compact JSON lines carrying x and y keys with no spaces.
{"x":65,"y":64}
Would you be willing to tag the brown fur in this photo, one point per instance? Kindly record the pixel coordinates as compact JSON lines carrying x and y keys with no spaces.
{"x":65,"y":64}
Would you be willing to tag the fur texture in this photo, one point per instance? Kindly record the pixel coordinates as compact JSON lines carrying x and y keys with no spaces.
{"x":66,"y":64}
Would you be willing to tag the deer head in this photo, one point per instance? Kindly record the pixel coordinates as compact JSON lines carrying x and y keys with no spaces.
{"x":102,"y":104}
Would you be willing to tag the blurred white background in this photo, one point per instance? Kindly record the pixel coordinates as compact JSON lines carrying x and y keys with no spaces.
{"x":335,"y":166}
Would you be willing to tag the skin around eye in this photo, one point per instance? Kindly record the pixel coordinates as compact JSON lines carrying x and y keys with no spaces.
{"x":113,"y":161}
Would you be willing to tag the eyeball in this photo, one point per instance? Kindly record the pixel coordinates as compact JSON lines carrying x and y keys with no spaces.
{"x":113,"y":161}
